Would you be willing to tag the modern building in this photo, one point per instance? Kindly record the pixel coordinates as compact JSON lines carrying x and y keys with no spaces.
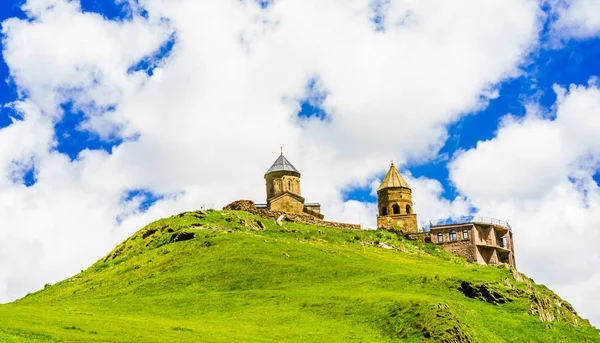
{"x":482,"y":240}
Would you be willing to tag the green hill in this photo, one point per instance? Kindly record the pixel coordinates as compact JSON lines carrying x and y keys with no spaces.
{"x":229,"y":276}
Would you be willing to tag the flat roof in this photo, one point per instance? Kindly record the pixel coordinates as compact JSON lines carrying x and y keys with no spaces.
{"x":469,"y":220}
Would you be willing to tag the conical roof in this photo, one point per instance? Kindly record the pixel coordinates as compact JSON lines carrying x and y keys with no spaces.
{"x":393,"y":179}
{"x":282,"y":164}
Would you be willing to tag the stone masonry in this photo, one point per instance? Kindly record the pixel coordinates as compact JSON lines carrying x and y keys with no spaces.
{"x":283,"y":190}
{"x":394,"y":200}
{"x":249,"y":206}
{"x":488,"y":243}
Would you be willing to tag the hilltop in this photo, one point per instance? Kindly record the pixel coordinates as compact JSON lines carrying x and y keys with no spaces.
{"x":231,"y":276}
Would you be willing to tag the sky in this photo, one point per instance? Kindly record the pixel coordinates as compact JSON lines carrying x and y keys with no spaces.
{"x":118,"y":113}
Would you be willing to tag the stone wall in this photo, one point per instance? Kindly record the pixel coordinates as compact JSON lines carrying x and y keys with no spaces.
{"x":248,"y":206}
{"x":388,"y":197}
{"x":283,"y":181}
{"x":312,"y":212}
{"x":407,"y":223}
{"x":461,"y":248}
{"x":419,"y":236}
{"x":312,"y":208}
{"x":286,"y":203}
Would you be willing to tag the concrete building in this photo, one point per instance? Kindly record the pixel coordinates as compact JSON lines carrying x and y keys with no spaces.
{"x":394,"y":200}
{"x":483,"y":240}
{"x":283,"y":190}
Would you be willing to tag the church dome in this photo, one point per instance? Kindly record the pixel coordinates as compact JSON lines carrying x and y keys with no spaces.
{"x":282,"y":164}
{"x":393,"y":179}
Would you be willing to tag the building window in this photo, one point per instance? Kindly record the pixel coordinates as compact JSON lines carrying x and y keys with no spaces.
{"x":465,"y":234}
{"x":396,"y":209}
{"x":289,"y":185}
{"x":452,"y":235}
{"x":440,"y":238}
{"x":384,"y":211}
{"x":407,"y":209}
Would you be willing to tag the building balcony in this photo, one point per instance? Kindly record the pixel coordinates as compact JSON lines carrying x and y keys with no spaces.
{"x":470,"y":220}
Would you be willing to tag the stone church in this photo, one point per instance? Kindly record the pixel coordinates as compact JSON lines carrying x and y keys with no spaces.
{"x":481,"y":240}
{"x":283,"y":190}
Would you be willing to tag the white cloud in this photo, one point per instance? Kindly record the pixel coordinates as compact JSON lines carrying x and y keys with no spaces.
{"x":65,"y":55}
{"x":211,"y":119}
{"x":537,"y":173}
{"x":577,"y":18}
{"x":430,"y":204}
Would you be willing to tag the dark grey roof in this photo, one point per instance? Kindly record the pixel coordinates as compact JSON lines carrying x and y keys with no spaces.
{"x":282,"y":164}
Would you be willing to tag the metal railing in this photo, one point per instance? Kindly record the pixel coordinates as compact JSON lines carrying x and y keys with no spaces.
{"x":469,"y":219}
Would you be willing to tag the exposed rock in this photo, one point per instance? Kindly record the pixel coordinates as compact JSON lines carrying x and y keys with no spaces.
{"x":518,"y":277}
{"x":385,"y":246}
{"x":149,"y":233}
{"x":548,"y":307}
{"x":378,"y":244}
{"x":182,"y":236}
{"x":482,"y":292}
{"x":280,"y":219}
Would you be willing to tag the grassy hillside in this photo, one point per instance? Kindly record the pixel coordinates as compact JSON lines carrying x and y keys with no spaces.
{"x":234,"y":277}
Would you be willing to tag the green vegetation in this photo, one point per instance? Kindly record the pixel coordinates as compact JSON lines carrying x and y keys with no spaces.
{"x":235,"y":277}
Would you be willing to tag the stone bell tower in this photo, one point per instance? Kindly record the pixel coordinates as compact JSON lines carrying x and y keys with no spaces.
{"x":283,"y":187}
{"x":394,"y":200}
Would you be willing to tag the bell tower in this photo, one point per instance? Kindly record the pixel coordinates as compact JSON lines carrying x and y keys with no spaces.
{"x":394,"y":203}
{"x":283,"y":187}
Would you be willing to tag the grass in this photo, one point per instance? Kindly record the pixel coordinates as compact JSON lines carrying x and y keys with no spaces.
{"x":234,"y":277}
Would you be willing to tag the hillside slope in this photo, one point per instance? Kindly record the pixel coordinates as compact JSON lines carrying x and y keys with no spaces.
{"x":229,"y":276}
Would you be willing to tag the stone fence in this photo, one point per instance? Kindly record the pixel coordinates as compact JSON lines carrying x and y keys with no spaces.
{"x":248,"y":206}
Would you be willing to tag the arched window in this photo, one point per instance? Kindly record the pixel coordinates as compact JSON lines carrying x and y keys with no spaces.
{"x":465,"y":234}
{"x":396,"y":209}
{"x":384,"y":211}
{"x":440,"y":238}
{"x":407,"y":209}
{"x":452,"y":235}
{"x":289,"y":185}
